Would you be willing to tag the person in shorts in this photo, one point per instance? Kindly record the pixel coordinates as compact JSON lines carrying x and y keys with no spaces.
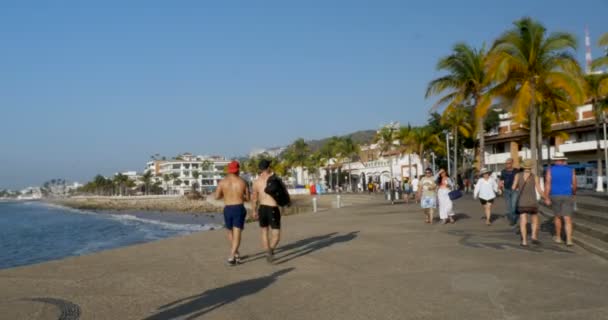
{"x":233,"y":189}
{"x":486,"y":189}
{"x":266,"y":209}
{"x":526,"y":185}
{"x":560,"y":192}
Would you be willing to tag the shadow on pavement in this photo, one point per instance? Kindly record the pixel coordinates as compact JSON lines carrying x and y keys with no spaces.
{"x":290,"y":246}
{"x":305,"y":247}
{"x":500,"y":241}
{"x":201,"y":304}
{"x":461,"y":216}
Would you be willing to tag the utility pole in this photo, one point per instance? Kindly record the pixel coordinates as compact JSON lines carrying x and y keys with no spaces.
{"x":447,"y":151}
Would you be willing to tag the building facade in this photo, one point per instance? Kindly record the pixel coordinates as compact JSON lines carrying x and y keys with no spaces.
{"x":188,"y":173}
{"x":511,"y":140}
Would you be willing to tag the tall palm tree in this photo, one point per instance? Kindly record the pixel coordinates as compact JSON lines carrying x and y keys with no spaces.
{"x":597,"y":94}
{"x":467,"y":82}
{"x":458,"y":118}
{"x":296,"y":155}
{"x":329,"y":151}
{"x":349,"y":150}
{"x":530,"y":65}
{"x":385,"y":138}
{"x":167,"y":179}
{"x":195,"y":174}
{"x":146,"y":178}
{"x":407,"y":144}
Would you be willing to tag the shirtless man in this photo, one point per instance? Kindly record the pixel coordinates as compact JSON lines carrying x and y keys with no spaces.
{"x":234,"y":191}
{"x":268,"y":211}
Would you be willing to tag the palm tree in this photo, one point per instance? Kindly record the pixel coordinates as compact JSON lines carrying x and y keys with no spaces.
{"x":167,"y":178}
{"x":175,"y":177}
{"x":120,"y":181}
{"x":423,"y":139}
{"x":195,"y":174}
{"x":385,"y":138}
{"x":329,"y":151}
{"x":349,"y":150}
{"x":457,"y":117}
{"x":407,"y":145}
{"x":296,"y":155}
{"x":528,"y":66}
{"x":146,"y":178}
{"x":467,"y":82}
{"x":597,"y":93}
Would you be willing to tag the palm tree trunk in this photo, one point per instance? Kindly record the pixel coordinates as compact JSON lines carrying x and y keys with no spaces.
{"x":600,"y":167}
{"x":539,"y":134}
{"x":533,"y":137}
{"x":482,"y":143}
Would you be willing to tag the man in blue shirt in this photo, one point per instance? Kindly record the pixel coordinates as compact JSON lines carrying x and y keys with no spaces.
{"x":560,"y":190}
{"x":507,"y":175}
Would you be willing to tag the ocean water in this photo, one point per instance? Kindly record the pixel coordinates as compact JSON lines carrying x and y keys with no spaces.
{"x":33,"y":232}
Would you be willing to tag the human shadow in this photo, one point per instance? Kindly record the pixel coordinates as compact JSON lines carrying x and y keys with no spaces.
{"x":461,"y":216}
{"x":310,"y":247}
{"x":289,"y":246}
{"x":201,"y":304}
{"x":499,"y":241}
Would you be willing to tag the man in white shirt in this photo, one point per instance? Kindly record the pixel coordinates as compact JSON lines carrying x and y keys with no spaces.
{"x":415,"y":184}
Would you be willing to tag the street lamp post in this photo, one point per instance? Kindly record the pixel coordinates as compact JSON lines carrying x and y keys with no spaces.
{"x":433,"y":156}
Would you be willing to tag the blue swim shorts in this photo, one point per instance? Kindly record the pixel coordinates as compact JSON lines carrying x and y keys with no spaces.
{"x":234,"y":216}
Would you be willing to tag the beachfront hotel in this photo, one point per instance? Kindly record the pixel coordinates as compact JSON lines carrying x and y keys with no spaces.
{"x":181,"y":175}
{"x":510,"y":140}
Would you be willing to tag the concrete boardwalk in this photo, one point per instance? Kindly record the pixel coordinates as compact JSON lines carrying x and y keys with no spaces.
{"x":373,"y":261}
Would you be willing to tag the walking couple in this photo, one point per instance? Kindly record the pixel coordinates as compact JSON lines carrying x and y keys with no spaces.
{"x":233,"y":189}
{"x":435,"y":192}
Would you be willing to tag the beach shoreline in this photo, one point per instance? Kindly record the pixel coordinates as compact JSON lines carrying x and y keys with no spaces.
{"x":164,"y":204}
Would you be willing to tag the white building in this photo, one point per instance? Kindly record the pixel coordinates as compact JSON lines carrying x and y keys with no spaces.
{"x":188,"y":172}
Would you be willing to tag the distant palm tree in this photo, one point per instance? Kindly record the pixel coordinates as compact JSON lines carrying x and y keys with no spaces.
{"x":385,"y":138}
{"x":407,"y":145}
{"x":146,"y":178}
{"x":602,"y":61}
{"x":329,"y":151}
{"x":530,"y":65}
{"x":195,"y":174}
{"x":467,"y":82}
{"x":458,"y":118}
{"x":167,"y":178}
{"x":349,"y":150}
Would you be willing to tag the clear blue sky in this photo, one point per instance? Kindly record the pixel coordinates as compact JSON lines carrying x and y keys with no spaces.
{"x":87,"y":89}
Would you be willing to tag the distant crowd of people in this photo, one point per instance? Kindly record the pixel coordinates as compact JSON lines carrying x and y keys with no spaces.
{"x":522,"y":191}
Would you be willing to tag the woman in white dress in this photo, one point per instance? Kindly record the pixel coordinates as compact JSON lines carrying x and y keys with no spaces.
{"x":446,"y":207}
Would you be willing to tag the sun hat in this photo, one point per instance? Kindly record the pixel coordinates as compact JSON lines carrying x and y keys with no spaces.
{"x":484,"y":171}
{"x":234,"y":167}
{"x":559,"y":156}
{"x":527,"y":164}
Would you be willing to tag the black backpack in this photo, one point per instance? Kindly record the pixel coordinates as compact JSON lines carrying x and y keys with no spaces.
{"x":277,"y":190}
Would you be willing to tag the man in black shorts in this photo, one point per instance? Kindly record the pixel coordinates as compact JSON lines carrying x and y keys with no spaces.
{"x":268,"y":211}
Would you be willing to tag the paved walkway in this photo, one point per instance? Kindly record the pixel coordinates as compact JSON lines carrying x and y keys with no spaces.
{"x":373,"y":261}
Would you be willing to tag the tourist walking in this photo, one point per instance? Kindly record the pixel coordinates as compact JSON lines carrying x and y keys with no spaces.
{"x":233,"y":189}
{"x":407,"y":190}
{"x":526,"y":184}
{"x":446,"y":212}
{"x":560,"y":191}
{"x":415,"y":184}
{"x":507,"y":176}
{"x":266,"y":207}
{"x":427,"y":195}
{"x":486,"y":189}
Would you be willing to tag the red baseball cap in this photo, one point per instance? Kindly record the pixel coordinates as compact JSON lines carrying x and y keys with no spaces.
{"x":234,"y":167}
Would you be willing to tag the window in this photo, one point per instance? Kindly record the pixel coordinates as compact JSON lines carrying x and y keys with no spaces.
{"x":176,"y":166}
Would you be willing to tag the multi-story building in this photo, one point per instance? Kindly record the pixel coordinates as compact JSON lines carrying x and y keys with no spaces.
{"x":511,"y":140}
{"x":187,"y":172}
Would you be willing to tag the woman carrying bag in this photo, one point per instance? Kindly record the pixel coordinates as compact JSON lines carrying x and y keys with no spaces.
{"x":527,"y":184}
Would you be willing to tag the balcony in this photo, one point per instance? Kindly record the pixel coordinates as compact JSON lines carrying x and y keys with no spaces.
{"x":580,"y":146}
